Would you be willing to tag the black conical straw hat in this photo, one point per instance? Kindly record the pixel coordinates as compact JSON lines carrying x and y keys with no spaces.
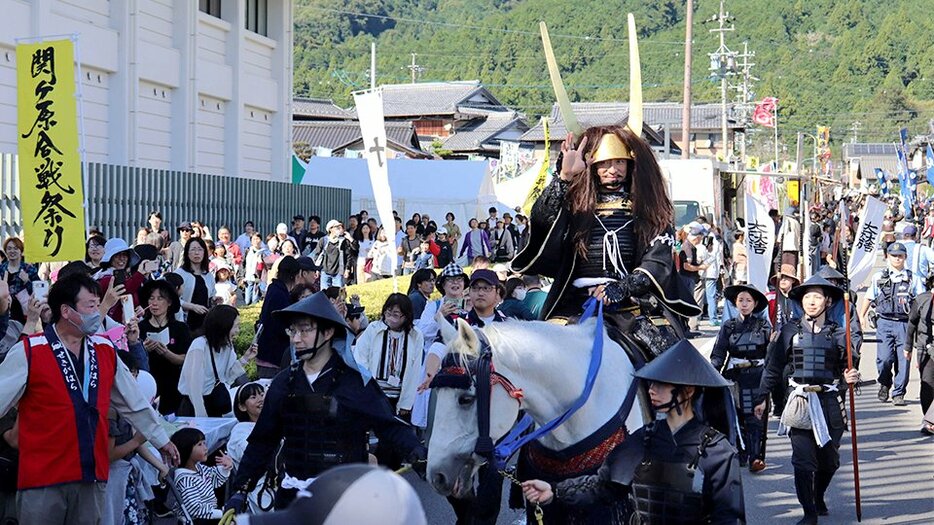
{"x":829,"y":273}
{"x":831,"y":290}
{"x":317,"y":306}
{"x":731,"y":292}
{"x":682,"y":364}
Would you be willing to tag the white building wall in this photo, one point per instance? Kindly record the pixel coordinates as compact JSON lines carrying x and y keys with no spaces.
{"x":257,"y":57}
{"x":155,"y":22}
{"x":211,"y":137}
{"x":154,"y":125}
{"x":7,"y":99}
{"x":212,"y":40}
{"x":257,"y":146}
{"x":95,"y":85}
{"x":166,"y":86}
{"x":94,"y":12}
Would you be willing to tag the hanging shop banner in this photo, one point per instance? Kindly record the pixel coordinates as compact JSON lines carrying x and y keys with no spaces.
{"x":51,"y":191}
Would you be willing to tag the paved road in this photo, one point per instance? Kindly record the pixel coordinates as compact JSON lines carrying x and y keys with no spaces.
{"x":896,"y":467}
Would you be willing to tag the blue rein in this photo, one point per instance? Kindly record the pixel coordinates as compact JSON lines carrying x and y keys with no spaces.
{"x":514,"y":440}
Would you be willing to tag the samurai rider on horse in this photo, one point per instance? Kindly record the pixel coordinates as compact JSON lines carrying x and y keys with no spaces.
{"x":602,"y":229}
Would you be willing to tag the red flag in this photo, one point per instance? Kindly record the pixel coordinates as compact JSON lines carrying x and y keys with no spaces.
{"x":764,"y":114}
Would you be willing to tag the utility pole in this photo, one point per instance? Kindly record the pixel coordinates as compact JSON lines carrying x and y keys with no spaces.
{"x":743,"y":95}
{"x":723,"y":63}
{"x":414,"y":68}
{"x":855,"y":127}
{"x":373,"y":65}
{"x":686,"y":110}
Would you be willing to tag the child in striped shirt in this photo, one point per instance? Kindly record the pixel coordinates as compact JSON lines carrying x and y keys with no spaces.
{"x":196,"y":481}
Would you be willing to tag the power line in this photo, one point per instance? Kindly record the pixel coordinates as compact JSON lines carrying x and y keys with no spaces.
{"x":539,"y":56}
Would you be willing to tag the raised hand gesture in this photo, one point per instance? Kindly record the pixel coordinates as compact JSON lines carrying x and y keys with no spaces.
{"x":572,"y":162}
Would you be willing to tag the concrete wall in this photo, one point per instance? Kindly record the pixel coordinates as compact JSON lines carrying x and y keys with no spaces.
{"x":166,"y":86}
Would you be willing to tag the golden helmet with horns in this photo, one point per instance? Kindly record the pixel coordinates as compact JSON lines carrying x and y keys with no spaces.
{"x":611,"y":147}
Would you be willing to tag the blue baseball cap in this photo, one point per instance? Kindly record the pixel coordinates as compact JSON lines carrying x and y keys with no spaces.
{"x":897,"y":248}
{"x":484,"y":275}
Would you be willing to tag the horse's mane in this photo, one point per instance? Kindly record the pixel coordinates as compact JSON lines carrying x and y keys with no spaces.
{"x":506,"y":337}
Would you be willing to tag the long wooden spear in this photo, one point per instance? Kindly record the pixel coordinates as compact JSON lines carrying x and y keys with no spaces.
{"x":849,"y":361}
{"x":849,"y":365}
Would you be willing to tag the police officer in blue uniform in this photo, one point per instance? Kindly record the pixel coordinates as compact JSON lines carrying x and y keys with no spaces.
{"x":892,"y":291}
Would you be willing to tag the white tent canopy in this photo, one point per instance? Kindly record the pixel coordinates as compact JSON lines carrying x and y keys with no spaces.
{"x":434,"y":187}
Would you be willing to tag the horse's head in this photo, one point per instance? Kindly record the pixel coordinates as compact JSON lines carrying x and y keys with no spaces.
{"x":452,"y":462}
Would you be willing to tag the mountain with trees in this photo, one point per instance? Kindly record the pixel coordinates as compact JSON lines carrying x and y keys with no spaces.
{"x":829,"y":62}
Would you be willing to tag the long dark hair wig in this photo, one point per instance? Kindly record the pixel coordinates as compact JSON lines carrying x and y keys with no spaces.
{"x":644,"y":181}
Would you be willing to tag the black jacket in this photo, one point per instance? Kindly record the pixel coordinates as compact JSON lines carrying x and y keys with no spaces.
{"x":779,"y":367}
{"x":921,"y":322}
{"x":722,"y":485}
{"x":722,"y":346}
{"x":364,"y":407}
{"x":273,"y":342}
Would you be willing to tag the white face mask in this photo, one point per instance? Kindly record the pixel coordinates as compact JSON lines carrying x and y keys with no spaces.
{"x":519,"y":293}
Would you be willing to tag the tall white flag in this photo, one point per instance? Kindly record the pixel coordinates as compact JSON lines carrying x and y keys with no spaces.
{"x":370,"y":113}
{"x":760,"y":240}
{"x":863,"y":254}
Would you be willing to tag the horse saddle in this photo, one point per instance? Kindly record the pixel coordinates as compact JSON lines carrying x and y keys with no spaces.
{"x":644,"y":331}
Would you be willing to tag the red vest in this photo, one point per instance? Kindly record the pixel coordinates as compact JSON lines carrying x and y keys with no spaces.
{"x":62,"y":437}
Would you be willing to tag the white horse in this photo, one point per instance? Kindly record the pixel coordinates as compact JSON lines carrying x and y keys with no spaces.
{"x":549,"y":363}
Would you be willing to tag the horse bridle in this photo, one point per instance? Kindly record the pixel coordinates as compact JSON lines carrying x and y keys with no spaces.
{"x":484,"y":376}
{"x":459,"y":372}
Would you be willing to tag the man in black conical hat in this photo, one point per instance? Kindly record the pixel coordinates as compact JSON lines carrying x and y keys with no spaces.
{"x":321,"y":408}
{"x":678,"y":469}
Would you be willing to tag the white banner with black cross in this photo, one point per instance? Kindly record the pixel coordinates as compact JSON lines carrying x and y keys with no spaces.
{"x":373,"y":128}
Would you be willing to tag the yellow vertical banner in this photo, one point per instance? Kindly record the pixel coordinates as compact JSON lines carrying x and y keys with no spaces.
{"x":51,"y":191}
{"x":792,"y":188}
{"x":539,"y":185}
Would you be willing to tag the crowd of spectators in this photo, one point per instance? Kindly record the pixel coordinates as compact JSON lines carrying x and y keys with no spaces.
{"x":168,"y":309}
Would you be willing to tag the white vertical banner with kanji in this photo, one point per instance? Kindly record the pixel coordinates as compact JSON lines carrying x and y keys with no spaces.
{"x":760,"y":240}
{"x":370,"y":113}
{"x":863,"y":253}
